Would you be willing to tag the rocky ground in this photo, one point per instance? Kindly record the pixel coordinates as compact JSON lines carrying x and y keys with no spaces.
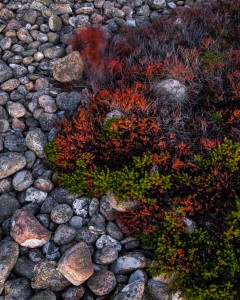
{"x":55,"y":245}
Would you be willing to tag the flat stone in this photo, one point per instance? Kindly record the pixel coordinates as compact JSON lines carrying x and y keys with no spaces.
{"x":69,"y":68}
{"x":132,"y":291}
{"x":9,"y":251}
{"x":5,"y":72}
{"x":36,"y":141}
{"x":10,"y":163}
{"x":129,"y":263}
{"x":102,"y":282}
{"x":8,"y":205}
{"x":76,"y":264}
{"x":27,"y":231}
{"x":47,"y":276}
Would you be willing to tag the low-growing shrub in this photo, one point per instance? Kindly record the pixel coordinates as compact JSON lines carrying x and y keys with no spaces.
{"x":179,"y":157}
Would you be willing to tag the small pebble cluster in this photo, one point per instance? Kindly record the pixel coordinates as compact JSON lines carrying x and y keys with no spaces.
{"x":53,"y":244}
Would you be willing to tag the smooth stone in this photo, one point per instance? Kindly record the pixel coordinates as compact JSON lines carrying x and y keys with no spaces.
{"x":36,"y":141}
{"x":8,"y":205}
{"x":11,"y":163}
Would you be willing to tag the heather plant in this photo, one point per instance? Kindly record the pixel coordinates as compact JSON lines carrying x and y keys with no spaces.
{"x":176,"y":153}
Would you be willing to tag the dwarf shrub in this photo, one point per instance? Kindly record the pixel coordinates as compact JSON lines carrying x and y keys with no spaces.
{"x":178,"y":159}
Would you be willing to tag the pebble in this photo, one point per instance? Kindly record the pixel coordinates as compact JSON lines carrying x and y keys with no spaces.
{"x":15,"y":142}
{"x":10,"y":85}
{"x":61,"y":213}
{"x":76,"y":264}
{"x":43,"y":184}
{"x":55,"y":23}
{"x":47,"y":276}
{"x":5,"y":72}
{"x":128,"y":263}
{"x":4,"y":97}
{"x":36,"y":141}
{"x":79,"y":21}
{"x":85,"y":235}
{"x":27,"y":231}
{"x":47,"y":120}
{"x":8,"y":205}
{"x":76,"y":222}
{"x":68,"y":101}
{"x":10,"y":163}
{"x":64,"y":234}
{"x":16,"y":109}
{"x":114,"y":231}
{"x":106,"y":240}
{"x":4,"y":125}
{"x":9,"y":252}
{"x":80,"y":207}
{"x":47,"y":103}
{"x":102,"y":283}
{"x":132,"y":291}
{"x":34,"y":195}
{"x":106,"y":255}
{"x":18,"y":288}
{"x":22,"y":180}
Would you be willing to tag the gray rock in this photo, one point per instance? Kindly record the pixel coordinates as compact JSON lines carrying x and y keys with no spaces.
{"x":106,"y":255}
{"x":5,"y":72}
{"x":93,"y":206}
{"x":157,"y":290}
{"x":54,"y":52}
{"x":36,"y":141}
{"x":6,"y":43}
{"x":30,"y":159}
{"x":50,"y":249}
{"x":76,"y":222}
{"x":35,"y":255}
{"x":73,"y":292}
{"x":8,"y":205}
{"x":17,"y":289}
{"x":16,"y":109}
{"x":47,"y":103}
{"x":44,"y":295}
{"x":24,"y":267}
{"x":64,"y":234}
{"x":157,"y":4}
{"x":10,"y":163}
{"x":114,"y":231}
{"x":61,"y":213}
{"x":34,"y":195}
{"x":144,"y":10}
{"x":4,"y":125}
{"x":24,"y":36}
{"x":4,"y":97}
{"x":8,"y":257}
{"x":80,"y":206}
{"x":79,"y":21}
{"x":129,"y":263}
{"x":102,"y":283}
{"x":138,"y":275}
{"x":15,"y":142}
{"x":18,"y":70}
{"x":39,"y":36}
{"x":97,"y":224}
{"x":106,"y":240}
{"x":61,"y":8}
{"x":55,"y":23}
{"x":48,"y":204}
{"x":84,"y":235}
{"x":30,"y":16}
{"x":132,"y":291}
{"x":107,"y":210}
{"x":47,"y":276}
{"x":47,"y":121}
{"x":68,"y":101}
